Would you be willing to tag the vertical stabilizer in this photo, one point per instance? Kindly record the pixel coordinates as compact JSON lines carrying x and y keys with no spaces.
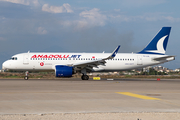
{"x":159,"y":42}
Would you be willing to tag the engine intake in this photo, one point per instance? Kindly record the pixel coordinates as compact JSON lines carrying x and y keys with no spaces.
{"x":63,"y":71}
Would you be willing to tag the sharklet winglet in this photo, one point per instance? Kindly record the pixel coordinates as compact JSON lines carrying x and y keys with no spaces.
{"x":114,"y":52}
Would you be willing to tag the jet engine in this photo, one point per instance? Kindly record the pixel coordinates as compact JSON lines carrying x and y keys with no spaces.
{"x":63,"y":71}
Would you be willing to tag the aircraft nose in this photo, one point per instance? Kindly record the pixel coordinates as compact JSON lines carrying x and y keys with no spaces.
{"x":5,"y":65}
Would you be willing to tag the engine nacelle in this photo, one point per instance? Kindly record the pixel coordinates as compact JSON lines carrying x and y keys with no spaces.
{"x":63,"y":71}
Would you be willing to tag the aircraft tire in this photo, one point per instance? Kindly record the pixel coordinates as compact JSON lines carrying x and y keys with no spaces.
{"x":26,"y":77}
{"x":85,"y":77}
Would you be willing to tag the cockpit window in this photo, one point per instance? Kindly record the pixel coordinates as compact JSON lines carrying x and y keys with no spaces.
{"x":13,"y":58}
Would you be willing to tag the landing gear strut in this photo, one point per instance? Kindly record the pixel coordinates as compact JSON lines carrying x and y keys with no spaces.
{"x":26,"y":75}
{"x":84,"y":77}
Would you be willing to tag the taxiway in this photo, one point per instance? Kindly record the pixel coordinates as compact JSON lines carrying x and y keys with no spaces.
{"x":38,"y":96}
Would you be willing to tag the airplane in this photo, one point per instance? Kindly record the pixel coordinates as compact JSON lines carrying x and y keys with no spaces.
{"x":67,"y":64}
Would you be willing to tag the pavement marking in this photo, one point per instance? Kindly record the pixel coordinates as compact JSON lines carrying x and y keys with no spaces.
{"x":138,"y":96}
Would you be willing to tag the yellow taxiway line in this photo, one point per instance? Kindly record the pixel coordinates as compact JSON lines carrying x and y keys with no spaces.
{"x":138,"y":96}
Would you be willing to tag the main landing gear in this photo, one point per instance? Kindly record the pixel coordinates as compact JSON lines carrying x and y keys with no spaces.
{"x":26,"y":75}
{"x":85,"y":77}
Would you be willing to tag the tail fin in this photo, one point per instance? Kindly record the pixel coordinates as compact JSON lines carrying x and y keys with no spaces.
{"x":159,"y":43}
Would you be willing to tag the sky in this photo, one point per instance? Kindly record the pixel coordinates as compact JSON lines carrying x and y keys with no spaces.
{"x":86,"y":26}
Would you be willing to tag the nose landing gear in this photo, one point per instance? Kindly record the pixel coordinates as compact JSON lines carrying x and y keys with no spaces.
{"x":26,"y":75}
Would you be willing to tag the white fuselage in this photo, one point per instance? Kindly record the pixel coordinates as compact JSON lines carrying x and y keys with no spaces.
{"x":48,"y":61}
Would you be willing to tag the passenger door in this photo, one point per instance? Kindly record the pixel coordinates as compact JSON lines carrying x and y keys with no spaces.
{"x":26,"y":59}
{"x":139,"y":60}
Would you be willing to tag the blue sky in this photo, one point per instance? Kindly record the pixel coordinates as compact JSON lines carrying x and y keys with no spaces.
{"x":86,"y":26}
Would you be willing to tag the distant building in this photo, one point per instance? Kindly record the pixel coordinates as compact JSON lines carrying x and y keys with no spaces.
{"x":177,"y":70}
{"x":158,"y":69}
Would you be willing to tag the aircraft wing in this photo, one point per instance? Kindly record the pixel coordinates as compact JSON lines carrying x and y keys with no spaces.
{"x":166,"y":58}
{"x":95,"y":63}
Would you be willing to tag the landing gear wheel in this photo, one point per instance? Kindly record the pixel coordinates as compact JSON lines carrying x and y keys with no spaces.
{"x":26,"y":77}
{"x":85,"y":77}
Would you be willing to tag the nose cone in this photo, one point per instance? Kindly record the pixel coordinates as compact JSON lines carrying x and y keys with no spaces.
{"x":5,"y":65}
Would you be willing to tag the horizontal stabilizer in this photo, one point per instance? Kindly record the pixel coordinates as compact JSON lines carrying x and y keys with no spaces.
{"x":169,"y":58}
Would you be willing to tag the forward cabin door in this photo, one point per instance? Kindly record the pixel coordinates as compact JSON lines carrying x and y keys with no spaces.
{"x":139,"y":60}
{"x":26,"y":59}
